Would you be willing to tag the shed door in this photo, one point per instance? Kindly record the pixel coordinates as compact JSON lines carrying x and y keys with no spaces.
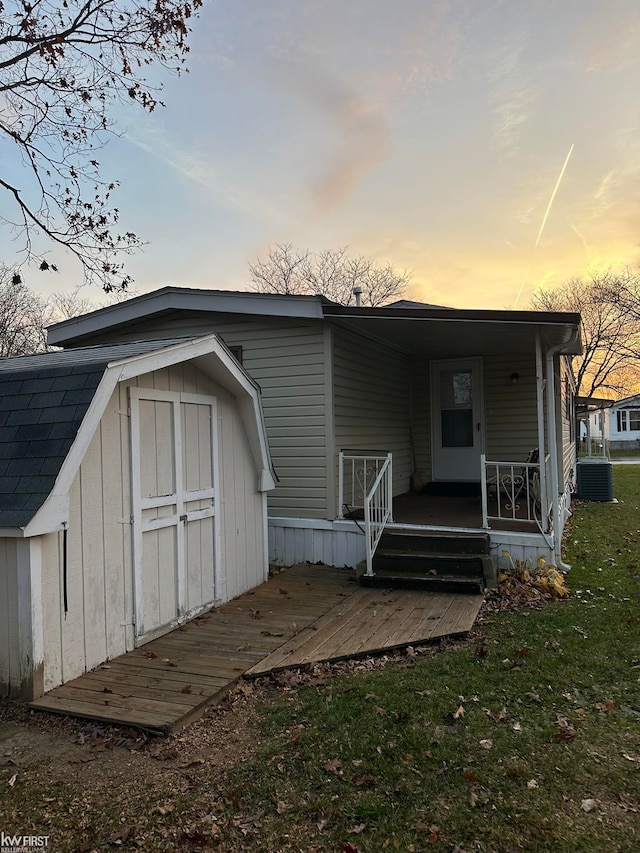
{"x":173,"y":476}
{"x":456,"y":405}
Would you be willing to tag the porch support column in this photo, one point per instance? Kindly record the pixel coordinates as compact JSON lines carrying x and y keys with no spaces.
{"x":540,"y":383}
{"x":553,"y":450}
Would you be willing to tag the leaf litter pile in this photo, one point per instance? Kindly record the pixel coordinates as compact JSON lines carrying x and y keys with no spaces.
{"x":524,"y":736}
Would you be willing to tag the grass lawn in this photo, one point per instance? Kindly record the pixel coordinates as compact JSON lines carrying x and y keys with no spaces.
{"x":526,"y":737}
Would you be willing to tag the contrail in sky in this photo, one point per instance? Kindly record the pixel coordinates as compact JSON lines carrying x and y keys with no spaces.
{"x":546,"y":216}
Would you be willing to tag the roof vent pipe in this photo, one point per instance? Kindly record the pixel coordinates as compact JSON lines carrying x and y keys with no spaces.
{"x":357,"y":292}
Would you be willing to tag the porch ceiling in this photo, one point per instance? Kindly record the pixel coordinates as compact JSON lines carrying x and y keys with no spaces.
{"x":462,"y":335}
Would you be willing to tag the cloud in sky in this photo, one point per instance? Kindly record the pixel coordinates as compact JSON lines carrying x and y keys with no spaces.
{"x":425,"y":132}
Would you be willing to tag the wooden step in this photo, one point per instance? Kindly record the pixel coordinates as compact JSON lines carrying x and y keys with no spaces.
{"x":436,"y":542}
{"x":426,"y":583}
{"x":422,"y":562}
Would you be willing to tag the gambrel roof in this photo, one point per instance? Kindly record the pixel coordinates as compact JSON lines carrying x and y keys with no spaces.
{"x":45,"y":400}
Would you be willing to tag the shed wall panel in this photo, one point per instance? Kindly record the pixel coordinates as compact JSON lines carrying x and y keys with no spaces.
{"x":98,"y":624}
{"x":9,"y":634}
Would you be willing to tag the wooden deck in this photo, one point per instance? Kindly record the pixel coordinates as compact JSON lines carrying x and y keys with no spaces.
{"x":305,"y":614}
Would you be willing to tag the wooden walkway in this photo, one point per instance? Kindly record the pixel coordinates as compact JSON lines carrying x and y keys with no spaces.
{"x":303,"y":615}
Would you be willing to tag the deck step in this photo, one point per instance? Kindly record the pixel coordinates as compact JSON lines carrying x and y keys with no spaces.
{"x":436,"y":542}
{"x":426,"y":583}
{"x":425,"y":562}
{"x":433,"y":561}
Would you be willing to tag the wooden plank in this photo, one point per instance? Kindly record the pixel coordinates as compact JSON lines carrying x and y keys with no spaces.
{"x":140,"y":688}
{"x":302,"y":646}
{"x":105,"y":714}
{"x":214,"y":651}
{"x":398,"y":613}
{"x":118,"y":700}
{"x":420,"y":629}
{"x":458,"y":617}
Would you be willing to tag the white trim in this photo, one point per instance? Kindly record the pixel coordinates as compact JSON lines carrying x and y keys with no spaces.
{"x":183,"y":299}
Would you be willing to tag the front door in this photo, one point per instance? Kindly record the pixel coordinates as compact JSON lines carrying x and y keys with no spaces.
{"x":173,"y":477}
{"x":456,"y":419}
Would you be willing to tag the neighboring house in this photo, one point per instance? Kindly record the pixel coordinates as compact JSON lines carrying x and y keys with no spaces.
{"x":133,"y":483}
{"x":623,"y":421}
{"x":458,"y":398}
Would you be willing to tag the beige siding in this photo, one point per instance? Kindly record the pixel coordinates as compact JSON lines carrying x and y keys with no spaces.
{"x":98,"y":624}
{"x":511,"y":418}
{"x":421,"y":416}
{"x":510,"y":412}
{"x":371,"y":401}
{"x":287,"y":360}
{"x":9,"y":634}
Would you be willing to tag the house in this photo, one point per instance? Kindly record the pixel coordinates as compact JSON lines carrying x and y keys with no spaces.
{"x":622,"y":425}
{"x":132,"y":497}
{"x":404,"y":416}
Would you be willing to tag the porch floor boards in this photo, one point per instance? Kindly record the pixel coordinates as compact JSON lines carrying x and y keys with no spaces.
{"x":303,"y":615}
{"x":439,"y":511}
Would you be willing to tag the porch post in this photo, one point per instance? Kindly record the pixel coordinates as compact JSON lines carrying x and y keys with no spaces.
{"x":340,"y":483}
{"x":540,"y":383}
{"x":553,"y":450}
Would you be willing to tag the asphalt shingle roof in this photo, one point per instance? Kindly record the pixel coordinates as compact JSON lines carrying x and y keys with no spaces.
{"x":43,"y":400}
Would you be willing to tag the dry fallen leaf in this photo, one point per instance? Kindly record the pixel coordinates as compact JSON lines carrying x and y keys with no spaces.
{"x":588,"y":806}
{"x":531,"y":784}
{"x":12,"y":781}
{"x":486,"y":743}
{"x":356,"y":830}
{"x":458,"y":713}
{"x":334,"y":765}
{"x":498,"y":716}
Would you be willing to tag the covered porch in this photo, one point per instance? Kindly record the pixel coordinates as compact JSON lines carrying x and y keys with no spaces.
{"x":473,"y":410}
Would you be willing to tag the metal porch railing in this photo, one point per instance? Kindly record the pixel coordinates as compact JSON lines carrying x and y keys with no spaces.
{"x":365,"y":483}
{"x":510,"y":491}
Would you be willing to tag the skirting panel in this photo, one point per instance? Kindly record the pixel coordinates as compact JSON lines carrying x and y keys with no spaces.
{"x":300,"y":540}
{"x":341,"y":543}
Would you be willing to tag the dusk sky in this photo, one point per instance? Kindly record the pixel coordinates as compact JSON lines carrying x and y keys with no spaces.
{"x":429,"y":134}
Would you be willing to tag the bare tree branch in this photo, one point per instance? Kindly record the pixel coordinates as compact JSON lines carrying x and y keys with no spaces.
{"x":610,"y":330}
{"x":332,"y":273}
{"x":63,"y":65}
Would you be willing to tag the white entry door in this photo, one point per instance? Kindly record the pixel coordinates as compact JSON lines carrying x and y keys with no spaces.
{"x":174,"y":490}
{"x":456,"y":419}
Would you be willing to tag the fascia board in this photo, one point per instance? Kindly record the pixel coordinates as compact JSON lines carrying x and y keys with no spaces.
{"x":183,"y":299}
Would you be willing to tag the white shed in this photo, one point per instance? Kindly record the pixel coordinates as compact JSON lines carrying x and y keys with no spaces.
{"x":133,"y":484}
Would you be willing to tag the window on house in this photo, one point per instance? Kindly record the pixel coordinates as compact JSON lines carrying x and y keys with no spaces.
{"x":621,"y":418}
{"x":634,"y":419}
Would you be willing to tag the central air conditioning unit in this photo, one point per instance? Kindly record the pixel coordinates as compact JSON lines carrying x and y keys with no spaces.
{"x":595,"y":480}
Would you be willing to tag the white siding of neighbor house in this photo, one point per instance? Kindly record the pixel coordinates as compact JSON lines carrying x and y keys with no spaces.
{"x":286,"y":357}
{"x":98,"y":624}
{"x":371,"y":401}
